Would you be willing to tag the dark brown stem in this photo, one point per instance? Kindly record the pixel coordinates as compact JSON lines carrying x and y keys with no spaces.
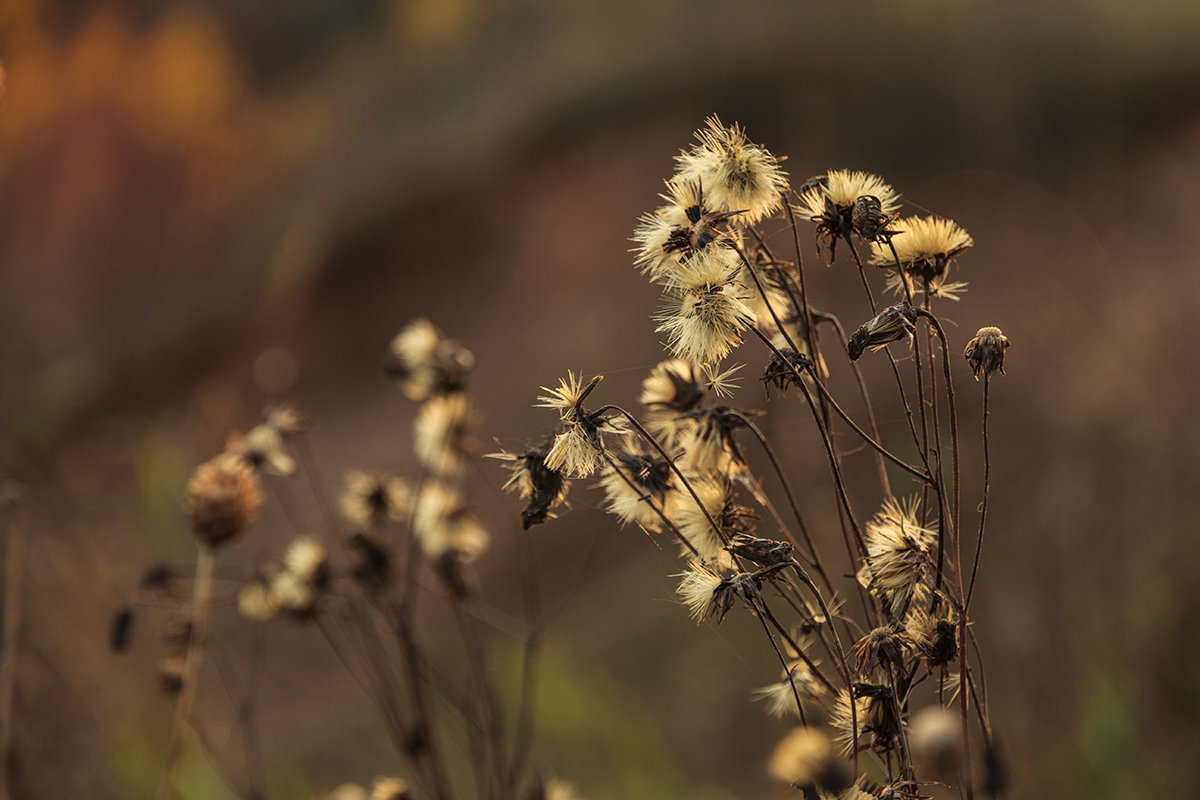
{"x":791,"y":497}
{"x":14,"y":571}
{"x":983,"y":504}
{"x":866,"y":437}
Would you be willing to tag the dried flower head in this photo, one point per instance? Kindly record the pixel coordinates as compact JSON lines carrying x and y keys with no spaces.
{"x":890,"y":325}
{"x":285,"y":419}
{"x":307,"y":559}
{"x":876,"y":714}
{"x":542,"y":488}
{"x":674,"y":385}
{"x":737,"y":176}
{"x":442,"y":433}
{"x":843,"y":720}
{"x":868,"y":220}
{"x":720,"y":500}
{"x":655,"y":254}
{"x":831,"y":204}
{"x":637,"y":494}
{"x":899,"y":553}
{"x":223,"y":498}
{"x":925,"y":248}
{"x":676,"y":232}
{"x":706,"y":311}
{"x":255,"y":600}
{"x":578,"y":450}
{"x":708,"y":442}
{"x":425,"y":364}
{"x":785,"y":368}
{"x":389,"y":789}
{"x":370,"y":561}
{"x":698,"y":590}
{"x":985,"y":353}
{"x":935,"y":736}
{"x":780,"y":697}
{"x":442,"y":521}
{"x":262,"y":448}
{"x":805,"y":759}
{"x":934,"y":636}
{"x":369,"y":500}
{"x":882,"y":649}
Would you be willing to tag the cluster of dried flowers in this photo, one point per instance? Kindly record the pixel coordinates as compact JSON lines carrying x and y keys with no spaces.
{"x":357,"y":578}
{"x":875,"y":669}
{"x":890,"y":704}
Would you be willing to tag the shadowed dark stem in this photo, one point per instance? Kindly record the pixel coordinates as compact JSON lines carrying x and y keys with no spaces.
{"x":982,"y":505}
{"x":803,"y":612}
{"x":866,"y":398}
{"x":875,"y":445}
{"x":839,"y":484}
{"x":954,"y":469}
{"x":201,"y":600}
{"x":791,"y":497}
{"x":523,"y":733}
{"x":841,"y":653}
{"x":759,"y":613}
{"x":391,"y":715}
{"x":810,"y":331}
{"x":14,"y":570}
{"x":923,"y":442}
{"x":829,"y":451}
{"x":477,"y":656}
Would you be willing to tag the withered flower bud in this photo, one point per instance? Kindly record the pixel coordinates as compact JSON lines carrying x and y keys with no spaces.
{"x":170,"y":674}
{"x":890,"y":325}
{"x":119,"y":629}
{"x":371,"y":562}
{"x":944,"y":645}
{"x":868,"y":220}
{"x":158,"y":578}
{"x":985,"y":353}
{"x":223,"y":498}
{"x":763,"y":552}
{"x":783,"y":368}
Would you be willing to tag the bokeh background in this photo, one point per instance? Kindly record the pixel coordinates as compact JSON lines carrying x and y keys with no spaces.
{"x":206,"y":207}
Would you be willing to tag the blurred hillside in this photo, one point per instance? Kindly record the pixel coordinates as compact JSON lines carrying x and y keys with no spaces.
{"x":207,"y":207}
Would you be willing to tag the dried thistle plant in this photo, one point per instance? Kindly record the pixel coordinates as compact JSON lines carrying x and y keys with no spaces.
{"x":873,"y":650}
{"x":692,"y":469}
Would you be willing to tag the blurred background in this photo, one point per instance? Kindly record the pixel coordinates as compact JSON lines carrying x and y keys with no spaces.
{"x":206,"y":207}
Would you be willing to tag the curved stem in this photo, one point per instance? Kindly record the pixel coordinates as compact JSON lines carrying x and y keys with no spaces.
{"x":866,"y":437}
